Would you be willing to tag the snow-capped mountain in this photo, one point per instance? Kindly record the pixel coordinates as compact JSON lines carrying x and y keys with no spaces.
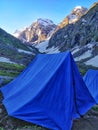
{"x":74,"y":16}
{"x":37,"y":32}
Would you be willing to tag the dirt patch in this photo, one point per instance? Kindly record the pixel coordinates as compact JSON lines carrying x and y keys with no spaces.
{"x":88,"y":122}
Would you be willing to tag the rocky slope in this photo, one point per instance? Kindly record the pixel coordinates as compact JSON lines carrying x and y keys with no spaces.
{"x":81,"y":38}
{"x":37,"y":32}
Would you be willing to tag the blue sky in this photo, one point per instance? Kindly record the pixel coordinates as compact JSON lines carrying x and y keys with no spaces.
{"x":16,"y":14}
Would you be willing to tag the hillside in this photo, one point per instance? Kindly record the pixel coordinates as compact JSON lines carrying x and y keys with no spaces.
{"x":14,"y":56}
{"x":14,"y":50}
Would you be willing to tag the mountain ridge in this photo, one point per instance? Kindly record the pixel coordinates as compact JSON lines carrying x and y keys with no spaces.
{"x":41,"y":29}
{"x":78,"y":36}
{"x":37,"y":32}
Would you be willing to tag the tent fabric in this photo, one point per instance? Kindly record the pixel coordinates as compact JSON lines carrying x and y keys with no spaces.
{"x":50,"y":92}
{"x":91,"y":81}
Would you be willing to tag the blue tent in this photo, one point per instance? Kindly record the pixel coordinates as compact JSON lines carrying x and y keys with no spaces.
{"x":50,"y":92}
{"x":91,"y":81}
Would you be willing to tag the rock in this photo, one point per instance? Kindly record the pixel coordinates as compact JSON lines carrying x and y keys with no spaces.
{"x":1,"y":80}
{"x":1,"y":110}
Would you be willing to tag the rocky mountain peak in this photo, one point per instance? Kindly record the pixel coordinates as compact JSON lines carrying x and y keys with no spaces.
{"x":78,"y":9}
{"x":37,"y":32}
{"x":74,"y":16}
{"x":45,"y":22}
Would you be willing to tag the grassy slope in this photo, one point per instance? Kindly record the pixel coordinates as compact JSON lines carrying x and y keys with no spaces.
{"x":12,"y":41}
{"x":9,"y":46}
{"x":10,"y":70}
{"x":7,"y":69}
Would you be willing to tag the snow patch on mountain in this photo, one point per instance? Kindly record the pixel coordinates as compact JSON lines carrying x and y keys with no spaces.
{"x":83,"y":20}
{"x":93,"y":61}
{"x":76,"y":13}
{"x":7,"y":60}
{"x":22,"y":51}
{"x":53,"y":50}
{"x":45,"y":22}
{"x":77,"y":7}
{"x":85,"y":55}
{"x":43,"y":48}
{"x":75,"y":49}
